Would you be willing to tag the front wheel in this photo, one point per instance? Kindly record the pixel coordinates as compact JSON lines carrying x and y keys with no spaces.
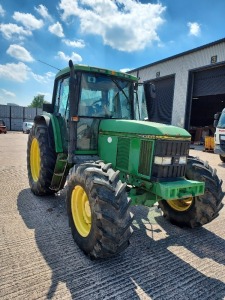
{"x":196,"y":211}
{"x":98,"y":210}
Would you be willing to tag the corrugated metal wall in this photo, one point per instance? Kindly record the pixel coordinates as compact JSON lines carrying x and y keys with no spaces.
{"x":14,"y":116}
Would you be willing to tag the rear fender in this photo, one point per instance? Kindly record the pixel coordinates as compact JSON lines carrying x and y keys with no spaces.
{"x":54,"y":135}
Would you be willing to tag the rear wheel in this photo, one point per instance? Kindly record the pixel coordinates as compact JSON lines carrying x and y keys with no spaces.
{"x":41,"y":159}
{"x":222,"y":158}
{"x":98,"y":210}
{"x":196,"y":211}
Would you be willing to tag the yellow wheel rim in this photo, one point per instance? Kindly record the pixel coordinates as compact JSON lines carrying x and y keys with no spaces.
{"x":81,"y":211}
{"x":35,"y":159}
{"x":181,"y":205}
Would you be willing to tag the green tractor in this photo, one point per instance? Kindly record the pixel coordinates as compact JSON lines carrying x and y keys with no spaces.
{"x":90,"y":139}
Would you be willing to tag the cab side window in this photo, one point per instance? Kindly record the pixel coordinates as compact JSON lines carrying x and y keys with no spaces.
{"x":62,"y":94}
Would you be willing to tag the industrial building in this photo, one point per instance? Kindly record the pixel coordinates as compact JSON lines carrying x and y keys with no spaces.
{"x":190,"y":88}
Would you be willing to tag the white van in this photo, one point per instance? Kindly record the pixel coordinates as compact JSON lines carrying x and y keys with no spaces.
{"x":219,"y":136}
{"x":27,"y":126}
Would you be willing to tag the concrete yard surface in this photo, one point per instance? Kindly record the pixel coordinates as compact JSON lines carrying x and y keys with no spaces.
{"x":39,"y":259}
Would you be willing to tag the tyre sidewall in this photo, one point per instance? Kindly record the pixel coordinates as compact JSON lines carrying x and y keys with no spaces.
{"x":47,"y":163}
{"x":110,"y":216}
{"x":86,"y":243}
{"x":180,"y":218}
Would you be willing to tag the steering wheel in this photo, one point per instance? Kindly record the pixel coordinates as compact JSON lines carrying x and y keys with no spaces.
{"x":95,"y":102}
{"x":98,"y":105}
{"x":100,"y":109}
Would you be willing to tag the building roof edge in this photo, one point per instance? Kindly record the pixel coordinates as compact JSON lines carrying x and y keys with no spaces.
{"x":179,"y":55}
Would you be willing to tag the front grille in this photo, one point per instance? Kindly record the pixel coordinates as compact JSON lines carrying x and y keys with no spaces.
{"x":173,"y":149}
{"x":123,"y":152}
{"x":145,"y":157}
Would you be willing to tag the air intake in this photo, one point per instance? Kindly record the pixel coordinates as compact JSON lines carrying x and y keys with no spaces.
{"x":145,"y":158}
{"x":123,"y":152}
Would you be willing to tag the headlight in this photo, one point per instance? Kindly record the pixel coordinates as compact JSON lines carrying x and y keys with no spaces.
{"x":182,"y":160}
{"x":163,"y":160}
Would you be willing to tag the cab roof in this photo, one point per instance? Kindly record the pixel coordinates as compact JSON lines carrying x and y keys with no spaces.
{"x":97,"y":70}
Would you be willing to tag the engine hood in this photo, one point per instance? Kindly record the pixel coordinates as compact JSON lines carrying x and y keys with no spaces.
{"x":142,"y":128}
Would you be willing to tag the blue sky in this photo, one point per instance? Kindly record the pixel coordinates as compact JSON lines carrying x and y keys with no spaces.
{"x":114,"y":34}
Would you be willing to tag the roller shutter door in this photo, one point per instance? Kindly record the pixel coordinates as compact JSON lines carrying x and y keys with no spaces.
{"x":160,"y":108}
{"x":209,"y":82}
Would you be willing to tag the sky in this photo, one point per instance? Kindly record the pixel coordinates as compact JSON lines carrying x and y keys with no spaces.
{"x":115,"y":34}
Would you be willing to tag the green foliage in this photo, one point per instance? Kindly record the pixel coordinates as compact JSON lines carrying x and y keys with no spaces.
{"x":38,"y":101}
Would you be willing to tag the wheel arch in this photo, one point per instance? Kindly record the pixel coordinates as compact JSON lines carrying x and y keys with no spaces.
{"x":54,"y":134}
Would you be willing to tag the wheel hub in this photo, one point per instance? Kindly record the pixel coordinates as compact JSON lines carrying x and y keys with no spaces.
{"x":81,"y":211}
{"x":87,"y":209}
{"x":181,"y":204}
{"x":35,"y":159}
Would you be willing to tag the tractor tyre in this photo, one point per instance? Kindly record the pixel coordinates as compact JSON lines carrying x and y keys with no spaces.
{"x":196,"y":211}
{"x":222,"y":158}
{"x":98,"y":210}
{"x":41,"y":160}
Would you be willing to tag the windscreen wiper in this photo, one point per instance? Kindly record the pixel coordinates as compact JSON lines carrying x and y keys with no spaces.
{"x":121,"y":89}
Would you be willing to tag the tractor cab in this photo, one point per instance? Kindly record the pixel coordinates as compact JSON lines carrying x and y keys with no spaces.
{"x":96,"y":94}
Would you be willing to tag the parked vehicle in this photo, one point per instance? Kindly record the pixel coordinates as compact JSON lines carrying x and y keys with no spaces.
{"x":89,"y":135}
{"x":219,"y":136}
{"x":27,"y":126}
{"x":3,"y":128}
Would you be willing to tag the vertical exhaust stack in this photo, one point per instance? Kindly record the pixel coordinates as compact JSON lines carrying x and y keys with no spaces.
{"x":73,"y":114}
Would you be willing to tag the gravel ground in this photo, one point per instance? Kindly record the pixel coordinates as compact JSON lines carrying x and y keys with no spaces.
{"x":39,"y":260}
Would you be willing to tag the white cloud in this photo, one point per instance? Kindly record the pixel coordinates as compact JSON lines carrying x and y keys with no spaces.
{"x":8,"y":93}
{"x":12,"y":30}
{"x":194,"y":28}
{"x":50,"y":74}
{"x":126,"y":25}
{"x":76,"y":58}
{"x":2,"y":11}
{"x":43,"y":11}
{"x":46,"y":78}
{"x":19,"y":53}
{"x":75,"y":44}
{"x":39,"y":78}
{"x":125,"y":70}
{"x":56,"y":29}
{"x":16,"y":72}
{"x":20,"y":72}
{"x":28,"y":20}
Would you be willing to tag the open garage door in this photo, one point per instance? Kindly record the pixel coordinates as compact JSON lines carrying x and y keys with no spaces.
{"x":208,"y":98}
{"x":160,"y":108}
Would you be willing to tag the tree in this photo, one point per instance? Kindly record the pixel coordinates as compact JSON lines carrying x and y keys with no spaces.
{"x":38,"y":101}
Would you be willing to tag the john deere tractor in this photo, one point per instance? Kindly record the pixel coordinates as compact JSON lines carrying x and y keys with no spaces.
{"x":90,"y":140}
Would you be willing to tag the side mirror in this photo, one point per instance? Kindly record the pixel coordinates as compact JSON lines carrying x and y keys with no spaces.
{"x":215,"y":123}
{"x":48,"y":108}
